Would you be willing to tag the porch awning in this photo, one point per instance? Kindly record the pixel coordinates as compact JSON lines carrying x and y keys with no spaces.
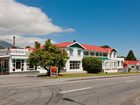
{"x":4,"y":56}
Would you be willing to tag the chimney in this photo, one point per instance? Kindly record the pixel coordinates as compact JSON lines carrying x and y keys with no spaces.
{"x":13,"y":41}
{"x":74,"y":40}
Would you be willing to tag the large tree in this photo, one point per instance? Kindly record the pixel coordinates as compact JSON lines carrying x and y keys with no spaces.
{"x":48,"y":55}
{"x":131,"y":56}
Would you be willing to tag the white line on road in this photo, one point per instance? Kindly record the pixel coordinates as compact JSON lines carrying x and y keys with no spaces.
{"x":68,"y":91}
{"x":130,"y":81}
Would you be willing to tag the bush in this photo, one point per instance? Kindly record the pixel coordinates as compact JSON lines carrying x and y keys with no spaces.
{"x":92,"y":64}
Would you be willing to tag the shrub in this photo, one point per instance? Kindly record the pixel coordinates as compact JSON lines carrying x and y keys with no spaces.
{"x":92,"y":64}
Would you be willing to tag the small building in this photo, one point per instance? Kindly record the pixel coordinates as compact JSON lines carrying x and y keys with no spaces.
{"x":14,"y":60}
{"x":132,"y":66}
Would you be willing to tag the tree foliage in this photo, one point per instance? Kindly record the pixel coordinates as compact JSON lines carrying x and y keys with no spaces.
{"x":131,"y":56}
{"x":92,"y":64}
{"x":48,"y":55}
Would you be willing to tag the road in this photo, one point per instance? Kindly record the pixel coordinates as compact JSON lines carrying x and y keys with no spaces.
{"x":21,"y":90}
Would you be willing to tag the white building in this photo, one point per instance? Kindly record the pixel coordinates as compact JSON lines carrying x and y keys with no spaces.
{"x":76,"y":52}
{"x":16,"y":60}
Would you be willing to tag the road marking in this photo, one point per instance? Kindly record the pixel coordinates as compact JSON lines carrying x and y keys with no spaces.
{"x":68,"y":91}
{"x":130,"y":81}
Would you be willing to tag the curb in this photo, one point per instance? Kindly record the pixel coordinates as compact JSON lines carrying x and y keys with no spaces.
{"x":101,"y":77}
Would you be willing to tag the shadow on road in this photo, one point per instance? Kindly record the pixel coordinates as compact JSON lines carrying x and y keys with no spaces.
{"x":71,"y":100}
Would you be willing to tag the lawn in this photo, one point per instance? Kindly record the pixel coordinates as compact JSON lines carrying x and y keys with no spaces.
{"x":72,"y":75}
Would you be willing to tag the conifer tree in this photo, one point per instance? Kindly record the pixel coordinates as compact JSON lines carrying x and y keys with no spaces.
{"x":131,"y":56}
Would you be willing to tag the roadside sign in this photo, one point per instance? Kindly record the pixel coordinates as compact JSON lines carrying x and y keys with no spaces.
{"x":54,"y":71}
{"x":125,"y":65}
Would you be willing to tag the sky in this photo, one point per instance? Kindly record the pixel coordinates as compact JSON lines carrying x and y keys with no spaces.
{"x":96,"y":22}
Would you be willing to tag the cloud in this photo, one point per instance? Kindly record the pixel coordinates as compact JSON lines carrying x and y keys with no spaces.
{"x":19,"y":19}
{"x":23,"y":41}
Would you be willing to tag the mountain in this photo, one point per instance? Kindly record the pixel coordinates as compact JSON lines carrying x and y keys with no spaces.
{"x":4,"y":44}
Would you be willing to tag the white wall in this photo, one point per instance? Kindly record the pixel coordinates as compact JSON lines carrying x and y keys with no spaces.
{"x":74,"y":57}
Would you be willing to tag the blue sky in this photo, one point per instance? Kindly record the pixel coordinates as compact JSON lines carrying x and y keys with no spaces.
{"x":97,"y":22}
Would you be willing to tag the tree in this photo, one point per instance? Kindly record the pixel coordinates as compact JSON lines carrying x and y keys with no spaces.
{"x":27,"y":47}
{"x":49,"y":55}
{"x":131,"y":56}
{"x":92,"y":64}
{"x":105,"y":46}
{"x":35,"y":56}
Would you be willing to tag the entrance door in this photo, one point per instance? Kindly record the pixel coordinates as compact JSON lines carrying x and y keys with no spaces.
{"x":18,"y":65}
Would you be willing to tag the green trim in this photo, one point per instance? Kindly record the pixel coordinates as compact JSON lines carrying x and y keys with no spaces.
{"x":76,"y":45}
{"x":103,"y":58}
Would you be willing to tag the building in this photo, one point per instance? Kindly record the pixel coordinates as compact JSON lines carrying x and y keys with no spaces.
{"x":76,"y":51}
{"x":132,"y":66}
{"x":16,"y":60}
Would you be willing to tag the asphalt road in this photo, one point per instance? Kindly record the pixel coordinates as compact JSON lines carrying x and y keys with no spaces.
{"x":21,"y":90}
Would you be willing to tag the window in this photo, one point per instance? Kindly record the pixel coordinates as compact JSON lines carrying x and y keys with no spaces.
{"x":100,"y":54}
{"x":86,"y":53}
{"x":106,"y":64}
{"x":92,"y":53}
{"x":121,"y":63}
{"x":71,"y":52}
{"x":133,"y":67}
{"x":115,"y":64}
{"x":97,"y":54}
{"x":105,"y":54}
{"x":114,"y":55}
{"x":118,"y":63}
{"x":79,"y":52}
{"x":74,"y":64}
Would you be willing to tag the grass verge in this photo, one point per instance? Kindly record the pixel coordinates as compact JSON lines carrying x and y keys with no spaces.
{"x":72,"y":75}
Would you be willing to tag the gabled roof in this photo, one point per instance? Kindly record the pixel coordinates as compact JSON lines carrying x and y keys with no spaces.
{"x":64,"y":44}
{"x":31,"y":49}
{"x":85,"y":46}
{"x":132,"y":62}
{"x":94,"y":48}
{"x":108,"y":49}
